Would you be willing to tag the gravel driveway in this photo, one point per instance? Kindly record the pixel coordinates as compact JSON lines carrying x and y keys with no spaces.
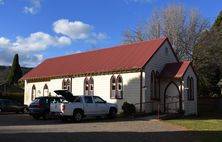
{"x":22,"y":128}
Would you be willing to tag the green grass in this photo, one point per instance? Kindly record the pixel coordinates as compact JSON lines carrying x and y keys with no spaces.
{"x":199,"y":123}
{"x":208,"y":127}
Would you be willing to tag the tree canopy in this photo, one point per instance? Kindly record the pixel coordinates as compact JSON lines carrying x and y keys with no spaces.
{"x":207,"y":58}
{"x":182,"y":26}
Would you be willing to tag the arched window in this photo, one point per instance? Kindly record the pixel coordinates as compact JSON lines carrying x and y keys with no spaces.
{"x":119,"y":94}
{"x":152,"y":85}
{"x":86,"y":86}
{"x":66,"y":84}
{"x":33,"y":95}
{"x":63,"y":84}
{"x":113,"y":87}
{"x":191,"y":89}
{"x":45,"y":90}
{"x":157,"y":86}
{"x":190,"y":86}
{"x":91,"y":86}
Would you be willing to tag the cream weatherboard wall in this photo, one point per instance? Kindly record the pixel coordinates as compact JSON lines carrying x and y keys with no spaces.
{"x":131,"y":88}
{"x":163,"y":56}
{"x":189,"y":106}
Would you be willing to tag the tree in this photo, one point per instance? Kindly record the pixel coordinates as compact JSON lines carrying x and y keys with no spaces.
{"x":182,"y":26}
{"x":207,"y":58}
{"x":15,"y":72}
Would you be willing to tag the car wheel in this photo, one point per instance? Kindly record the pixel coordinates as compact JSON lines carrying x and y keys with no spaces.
{"x":36,"y":117}
{"x":112,"y":113}
{"x":0,"y":110}
{"x":46,"y":116}
{"x":25,"y":110}
{"x":77,"y":116}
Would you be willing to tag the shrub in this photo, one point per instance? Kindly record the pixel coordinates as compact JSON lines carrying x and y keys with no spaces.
{"x":15,"y":96}
{"x":128,"y":109}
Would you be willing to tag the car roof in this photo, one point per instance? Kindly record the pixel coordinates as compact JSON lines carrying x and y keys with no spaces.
{"x":47,"y":97}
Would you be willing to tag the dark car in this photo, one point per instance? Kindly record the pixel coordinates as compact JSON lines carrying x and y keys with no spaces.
{"x":40,"y":107}
{"x":7,"y":105}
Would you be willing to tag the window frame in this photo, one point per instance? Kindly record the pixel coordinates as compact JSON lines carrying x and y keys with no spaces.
{"x":157,"y":86}
{"x":86,"y":83}
{"x":33,"y":95}
{"x":152,"y":85}
{"x":112,"y":95}
{"x":117,"y":87}
{"x":116,"y":95}
{"x":67,"y":84}
{"x":91,"y":84}
{"x":190,"y":91}
{"x":45,"y":88}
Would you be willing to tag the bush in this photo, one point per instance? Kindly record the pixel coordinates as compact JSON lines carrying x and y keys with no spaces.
{"x":16,"y":96}
{"x":128,"y":109}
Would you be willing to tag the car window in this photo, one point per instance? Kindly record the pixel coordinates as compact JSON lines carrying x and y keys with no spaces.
{"x":98,"y":100}
{"x":12,"y":102}
{"x":77,"y":99}
{"x":6,"y":102}
{"x":56,"y":100}
{"x":88,"y":99}
{"x":46,"y":100}
{"x":36,"y":101}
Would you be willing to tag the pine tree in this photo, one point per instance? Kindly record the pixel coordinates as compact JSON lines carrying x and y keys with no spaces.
{"x":15,"y":72}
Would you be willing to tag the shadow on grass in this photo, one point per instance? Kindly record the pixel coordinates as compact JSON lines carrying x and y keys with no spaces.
{"x":181,"y":136}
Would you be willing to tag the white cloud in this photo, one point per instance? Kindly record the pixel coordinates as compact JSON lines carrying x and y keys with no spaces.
{"x":2,"y":2}
{"x":39,"y":41}
{"x":30,"y":48}
{"x":34,"y":6}
{"x":4,"y":42}
{"x":77,"y":30}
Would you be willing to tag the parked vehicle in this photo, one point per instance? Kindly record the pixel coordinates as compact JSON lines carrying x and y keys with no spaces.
{"x":7,"y":105}
{"x":78,"y":107}
{"x":40,"y":107}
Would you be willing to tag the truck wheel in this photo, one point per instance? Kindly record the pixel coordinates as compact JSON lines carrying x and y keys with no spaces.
{"x":63,"y":118}
{"x":112,"y":113}
{"x":77,"y":116}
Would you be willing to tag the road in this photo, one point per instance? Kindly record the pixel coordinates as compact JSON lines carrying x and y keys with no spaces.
{"x":22,"y":128}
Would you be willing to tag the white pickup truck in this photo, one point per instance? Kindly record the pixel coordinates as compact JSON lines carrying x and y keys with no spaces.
{"x":77,"y":107}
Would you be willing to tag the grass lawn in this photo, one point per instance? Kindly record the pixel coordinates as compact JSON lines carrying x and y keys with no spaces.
{"x":209,"y":127}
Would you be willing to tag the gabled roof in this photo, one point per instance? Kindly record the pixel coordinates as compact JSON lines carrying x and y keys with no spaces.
{"x":175,"y":70}
{"x":119,"y":58}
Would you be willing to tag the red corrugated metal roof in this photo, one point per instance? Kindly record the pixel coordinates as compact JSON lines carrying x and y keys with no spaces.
{"x":118,"y":58}
{"x":175,"y":70}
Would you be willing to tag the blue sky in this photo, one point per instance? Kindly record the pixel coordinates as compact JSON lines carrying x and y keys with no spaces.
{"x":40,"y":29}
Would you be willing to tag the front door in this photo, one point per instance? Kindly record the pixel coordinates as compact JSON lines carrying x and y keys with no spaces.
{"x":171,"y":98}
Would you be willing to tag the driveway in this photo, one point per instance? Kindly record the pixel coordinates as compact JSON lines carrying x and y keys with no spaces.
{"x":20,"y":127}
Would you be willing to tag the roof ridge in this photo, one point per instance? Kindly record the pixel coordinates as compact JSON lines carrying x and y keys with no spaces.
{"x":106,"y":48}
